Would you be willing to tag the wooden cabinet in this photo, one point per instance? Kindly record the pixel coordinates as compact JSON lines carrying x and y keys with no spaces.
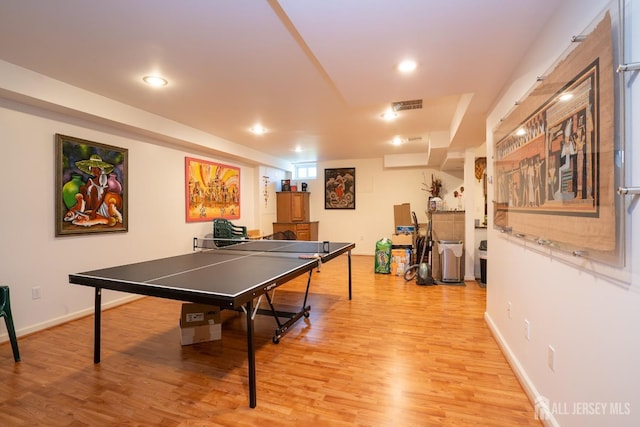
{"x":303,"y":230}
{"x":292,"y":206}
{"x":292,"y":213}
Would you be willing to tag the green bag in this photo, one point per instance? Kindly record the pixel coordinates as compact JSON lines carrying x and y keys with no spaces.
{"x":383,"y":256}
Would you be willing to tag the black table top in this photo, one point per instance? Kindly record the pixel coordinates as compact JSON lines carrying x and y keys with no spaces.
{"x":226,"y":276}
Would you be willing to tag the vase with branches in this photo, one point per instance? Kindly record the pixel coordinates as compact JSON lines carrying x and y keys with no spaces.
{"x":435,"y":188}
{"x":435,"y":191}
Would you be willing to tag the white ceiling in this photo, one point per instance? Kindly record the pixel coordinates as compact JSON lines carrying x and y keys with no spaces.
{"x":316,"y":73}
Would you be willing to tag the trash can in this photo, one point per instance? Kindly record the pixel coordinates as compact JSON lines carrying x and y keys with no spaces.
{"x":482,"y":254}
{"x":450,"y":253}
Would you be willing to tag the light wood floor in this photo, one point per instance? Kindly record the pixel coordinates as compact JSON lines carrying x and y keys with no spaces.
{"x":398,"y":354}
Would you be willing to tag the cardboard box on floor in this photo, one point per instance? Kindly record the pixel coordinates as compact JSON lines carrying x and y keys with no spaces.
{"x":402,"y":215}
{"x":199,"y":323}
{"x":402,"y":240}
{"x":404,"y":227}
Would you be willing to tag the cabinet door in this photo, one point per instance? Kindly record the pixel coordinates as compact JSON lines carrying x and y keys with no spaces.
{"x":303,"y":235}
{"x":292,"y":206}
{"x":283,"y":208}
{"x":302,"y":232}
{"x":298,"y":207}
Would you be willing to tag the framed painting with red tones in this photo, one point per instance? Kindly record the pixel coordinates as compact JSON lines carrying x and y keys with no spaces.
{"x":90,"y":187}
{"x":212,"y":190}
{"x":340,"y":188}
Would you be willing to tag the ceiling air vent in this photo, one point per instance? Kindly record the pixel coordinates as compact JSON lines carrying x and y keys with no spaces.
{"x":415,"y":104}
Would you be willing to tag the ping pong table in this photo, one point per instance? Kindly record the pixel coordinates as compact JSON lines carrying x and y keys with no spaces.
{"x":231,"y":277}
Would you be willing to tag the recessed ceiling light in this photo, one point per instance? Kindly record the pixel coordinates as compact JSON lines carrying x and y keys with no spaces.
{"x":521,"y":132}
{"x":566,"y":96}
{"x":397,"y":140}
{"x":298,"y":149}
{"x":155,"y":81}
{"x":258,"y":130}
{"x":407,"y":66}
{"x":389,"y":115}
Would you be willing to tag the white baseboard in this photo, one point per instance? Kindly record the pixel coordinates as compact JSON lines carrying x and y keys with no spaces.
{"x":68,"y":317}
{"x":540,"y":403}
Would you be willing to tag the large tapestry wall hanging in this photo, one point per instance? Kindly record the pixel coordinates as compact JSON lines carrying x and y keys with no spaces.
{"x":554,"y":153}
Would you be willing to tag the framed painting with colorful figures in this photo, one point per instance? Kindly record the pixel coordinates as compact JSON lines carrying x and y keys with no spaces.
{"x":91,"y":187}
{"x":554,"y":155}
{"x":340,"y":188}
{"x":212,"y":190}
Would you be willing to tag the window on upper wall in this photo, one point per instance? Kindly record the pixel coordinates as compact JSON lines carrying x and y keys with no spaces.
{"x":305,"y":171}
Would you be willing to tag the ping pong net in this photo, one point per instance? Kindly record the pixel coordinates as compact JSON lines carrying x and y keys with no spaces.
{"x":311,"y":249}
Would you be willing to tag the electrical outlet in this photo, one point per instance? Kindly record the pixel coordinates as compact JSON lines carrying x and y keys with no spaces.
{"x":527,"y":329}
{"x":551,"y":358}
{"x":509,"y":309}
{"x":35,"y":292}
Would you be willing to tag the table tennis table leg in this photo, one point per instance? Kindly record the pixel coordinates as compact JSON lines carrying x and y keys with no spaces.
{"x":349,"y":264}
{"x":292,"y":317}
{"x":251,"y":355}
{"x":96,"y":325}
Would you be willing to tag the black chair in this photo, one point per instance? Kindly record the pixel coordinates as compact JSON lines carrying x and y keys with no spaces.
{"x":225,"y":233}
{"x":5,"y":311}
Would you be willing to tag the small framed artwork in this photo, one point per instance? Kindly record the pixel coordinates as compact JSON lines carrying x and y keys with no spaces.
{"x":212,"y":190}
{"x":285,"y":184}
{"x":340,"y":188}
{"x":91,"y":187}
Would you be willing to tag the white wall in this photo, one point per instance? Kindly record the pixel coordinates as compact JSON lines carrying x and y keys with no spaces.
{"x":590,"y":321}
{"x":378,"y":189}
{"x":31,"y":255}
{"x":267,"y":203}
{"x":474,"y":210}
